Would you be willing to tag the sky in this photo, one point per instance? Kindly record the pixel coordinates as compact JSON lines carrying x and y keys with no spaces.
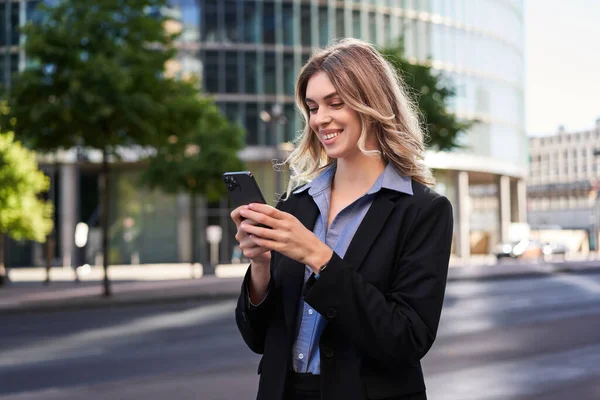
{"x":562,"y":62}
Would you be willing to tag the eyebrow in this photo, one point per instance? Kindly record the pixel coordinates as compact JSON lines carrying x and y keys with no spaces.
{"x":329,"y":96}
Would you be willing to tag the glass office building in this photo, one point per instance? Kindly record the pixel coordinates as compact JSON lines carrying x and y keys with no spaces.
{"x":251,"y":51}
{"x":247,"y":53}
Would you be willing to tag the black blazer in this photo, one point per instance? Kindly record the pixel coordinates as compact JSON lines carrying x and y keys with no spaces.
{"x":382,"y":301}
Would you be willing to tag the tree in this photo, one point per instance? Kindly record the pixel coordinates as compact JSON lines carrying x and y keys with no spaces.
{"x":23,"y":214}
{"x":194,"y":159}
{"x":97,"y":80}
{"x":432,"y":92}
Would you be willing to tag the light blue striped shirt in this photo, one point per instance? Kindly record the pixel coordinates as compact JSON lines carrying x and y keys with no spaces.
{"x":305,"y":351}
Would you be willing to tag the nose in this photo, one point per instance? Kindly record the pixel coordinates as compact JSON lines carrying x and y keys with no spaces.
{"x":322,"y":117}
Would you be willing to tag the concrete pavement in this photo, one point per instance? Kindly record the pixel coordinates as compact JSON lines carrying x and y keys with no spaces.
{"x":163,"y":283}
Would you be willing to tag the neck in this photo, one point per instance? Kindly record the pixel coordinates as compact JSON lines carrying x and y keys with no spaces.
{"x":358,"y":174}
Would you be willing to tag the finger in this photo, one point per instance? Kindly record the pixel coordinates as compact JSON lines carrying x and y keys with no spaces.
{"x":266,"y":243}
{"x":267,"y":210}
{"x":248,"y":221}
{"x":259,"y":217}
{"x":235,"y":215}
{"x":250,"y":249}
{"x":259,"y":231}
{"x":255,"y":252}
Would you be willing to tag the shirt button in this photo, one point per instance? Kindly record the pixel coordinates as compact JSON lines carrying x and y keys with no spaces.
{"x":301,"y":356}
{"x":310,"y":311}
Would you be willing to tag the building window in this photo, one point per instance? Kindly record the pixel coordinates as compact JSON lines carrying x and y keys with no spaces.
{"x":268,"y":24}
{"x":387,"y":30}
{"x":270,"y":73}
{"x":250,"y":72}
{"x":356,"y":23}
{"x":33,"y":14}
{"x":251,"y":124}
{"x":211,"y":72}
{"x":288,"y":74}
{"x":232,"y":27}
{"x":373,"y":28}
{"x":290,"y":115}
{"x":288,"y":24}
{"x":323,"y":26}
{"x":251,"y":25}
{"x":14,"y":24}
{"x":2,"y":58}
{"x":340,"y":23}
{"x":231,"y":72}
{"x":305,"y":25}
{"x":211,"y":18}
{"x":230,"y":111}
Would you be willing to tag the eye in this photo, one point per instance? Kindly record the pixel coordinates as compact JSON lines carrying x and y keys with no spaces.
{"x":337,"y":105}
{"x":313,"y":110}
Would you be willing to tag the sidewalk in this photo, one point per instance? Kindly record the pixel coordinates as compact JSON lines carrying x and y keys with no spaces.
{"x":164,"y":283}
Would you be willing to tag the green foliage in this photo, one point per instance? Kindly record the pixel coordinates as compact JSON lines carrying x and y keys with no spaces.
{"x":431,"y":93}
{"x":96,"y":76}
{"x":193,"y":159}
{"x":23,"y":215}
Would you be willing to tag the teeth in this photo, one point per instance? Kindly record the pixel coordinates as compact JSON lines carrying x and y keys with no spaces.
{"x":331,"y":135}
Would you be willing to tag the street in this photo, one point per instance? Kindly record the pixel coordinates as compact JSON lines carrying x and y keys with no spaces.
{"x":526,"y":339}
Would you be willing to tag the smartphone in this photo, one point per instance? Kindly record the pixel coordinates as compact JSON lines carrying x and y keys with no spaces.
{"x":243,"y":188}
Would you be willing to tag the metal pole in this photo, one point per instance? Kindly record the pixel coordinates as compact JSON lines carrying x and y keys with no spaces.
{"x":276,"y":170}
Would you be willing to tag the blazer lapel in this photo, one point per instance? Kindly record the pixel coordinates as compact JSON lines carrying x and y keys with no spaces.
{"x":292,"y":271}
{"x":370,"y":227}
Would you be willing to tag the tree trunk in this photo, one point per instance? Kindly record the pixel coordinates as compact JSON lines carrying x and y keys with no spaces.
{"x":193,"y":233}
{"x":3,"y":272}
{"x":104,"y":212}
{"x":50,"y":240}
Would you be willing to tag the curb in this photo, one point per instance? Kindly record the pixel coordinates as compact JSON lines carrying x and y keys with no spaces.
{"x":198,"y":294}
{"x":101,"y":302}
{"x":494,"y":273}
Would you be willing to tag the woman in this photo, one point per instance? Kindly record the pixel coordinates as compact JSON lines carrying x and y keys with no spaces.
{"x":345,"y":287}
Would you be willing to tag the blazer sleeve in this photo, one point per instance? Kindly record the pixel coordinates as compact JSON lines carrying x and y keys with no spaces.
{"x":252,"y":321}
{"x":399,"y":326}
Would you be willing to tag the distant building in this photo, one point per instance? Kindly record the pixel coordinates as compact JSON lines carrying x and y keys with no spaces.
{"x":564,"y":179}
{"x":247,"y":54}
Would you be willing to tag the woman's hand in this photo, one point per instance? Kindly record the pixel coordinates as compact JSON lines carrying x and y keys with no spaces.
{"x":259,"y":256}
{"x":287,"y":235}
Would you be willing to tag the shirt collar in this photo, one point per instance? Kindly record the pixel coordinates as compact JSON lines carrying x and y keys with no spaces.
{"x":320,"y":183}
{"x":390,"y":179}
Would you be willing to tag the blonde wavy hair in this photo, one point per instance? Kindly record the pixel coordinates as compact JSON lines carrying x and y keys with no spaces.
{"x":368,"y":84}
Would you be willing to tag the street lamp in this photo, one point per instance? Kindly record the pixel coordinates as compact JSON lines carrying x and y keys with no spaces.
{"x":273,"y":118}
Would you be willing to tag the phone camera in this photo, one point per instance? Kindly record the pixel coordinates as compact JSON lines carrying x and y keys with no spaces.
{"x":232,"y":183}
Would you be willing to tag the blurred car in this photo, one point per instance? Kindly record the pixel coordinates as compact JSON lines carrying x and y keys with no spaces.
{"x":524,"y":249}
{"x":551,"y":249}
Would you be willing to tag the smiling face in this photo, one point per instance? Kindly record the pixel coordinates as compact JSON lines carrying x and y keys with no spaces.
{"x":337,"y":126}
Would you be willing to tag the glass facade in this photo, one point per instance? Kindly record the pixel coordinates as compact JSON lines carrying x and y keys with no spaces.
{"x":477,"y":45}
{"x":248,"y":54}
